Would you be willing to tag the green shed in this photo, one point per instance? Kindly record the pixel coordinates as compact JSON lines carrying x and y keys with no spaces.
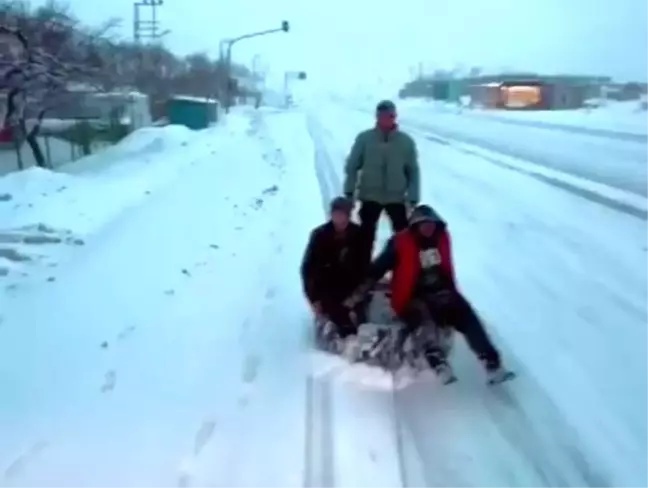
{"x":194,"y":113}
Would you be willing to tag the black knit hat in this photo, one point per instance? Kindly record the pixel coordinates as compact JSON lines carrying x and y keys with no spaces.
{"x":385,"y":106}
{"x":424,"y":213}
{"x":342,"y":204}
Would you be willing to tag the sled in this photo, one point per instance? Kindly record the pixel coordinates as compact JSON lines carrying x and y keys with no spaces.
{"x":382,"y":341}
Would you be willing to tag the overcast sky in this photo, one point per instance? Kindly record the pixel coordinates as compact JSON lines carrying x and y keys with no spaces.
{"x":343,"y":42}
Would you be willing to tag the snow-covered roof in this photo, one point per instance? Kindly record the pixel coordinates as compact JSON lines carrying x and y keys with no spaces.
{"x":193,"y":99}
{"x":124,"y":93}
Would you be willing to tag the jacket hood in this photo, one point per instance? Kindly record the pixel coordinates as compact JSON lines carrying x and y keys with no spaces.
{"x":425,"y":213}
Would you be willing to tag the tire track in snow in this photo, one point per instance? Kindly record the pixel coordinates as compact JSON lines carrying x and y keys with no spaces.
{"x":327,"y":176}
{"x":319,"y":469}
{"x":552,"y":460}
{"x":528,"y":420}
{"x":319,"y":466}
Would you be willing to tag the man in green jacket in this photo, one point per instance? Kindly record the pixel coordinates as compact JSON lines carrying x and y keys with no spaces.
{"x":382,"y":171}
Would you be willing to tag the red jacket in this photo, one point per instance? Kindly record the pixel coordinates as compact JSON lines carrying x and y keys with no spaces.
{"x":408,"y":266}
{"x":401,"y":256}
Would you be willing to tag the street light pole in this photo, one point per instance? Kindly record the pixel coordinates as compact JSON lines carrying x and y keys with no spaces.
{"x":285,"y":27}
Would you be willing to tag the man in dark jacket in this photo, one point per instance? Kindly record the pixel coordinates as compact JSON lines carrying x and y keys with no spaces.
{"x":382,"y":171}
{"x":423,"y":287}
{"x":331,"y":268}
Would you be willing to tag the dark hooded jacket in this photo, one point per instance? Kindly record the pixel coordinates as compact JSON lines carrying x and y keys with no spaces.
{"x":331,"y":268}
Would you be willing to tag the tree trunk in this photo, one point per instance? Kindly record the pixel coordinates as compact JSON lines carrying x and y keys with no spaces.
{"x":37,"y":151}
{"x":31,"y":138}
{"x":16,"y":144}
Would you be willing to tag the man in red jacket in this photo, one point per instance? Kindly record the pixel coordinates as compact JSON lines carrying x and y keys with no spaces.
{"x":423,"y":287}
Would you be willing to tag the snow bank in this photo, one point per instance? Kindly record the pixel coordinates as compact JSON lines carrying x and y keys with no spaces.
{"x":44,"y":207}
{"x":141,"y":145}
{"x":615,"y":116}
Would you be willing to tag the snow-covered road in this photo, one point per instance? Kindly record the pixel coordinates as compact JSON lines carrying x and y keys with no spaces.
{"x":173,"y":348}
{"x":561,"y":280}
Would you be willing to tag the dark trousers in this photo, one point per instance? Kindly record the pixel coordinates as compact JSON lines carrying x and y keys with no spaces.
{"x":332,"y":296}
{"x":340,"y":317}
{"x":453,"y":310}
{"x":370,"y":214}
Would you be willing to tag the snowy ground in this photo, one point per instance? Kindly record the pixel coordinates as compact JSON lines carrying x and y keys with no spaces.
{"x":172,"y":348}
{"x":621,"y":119}
{"x":137,"y":365}
{"x":561,"y":280}
{"x":39,"y":209}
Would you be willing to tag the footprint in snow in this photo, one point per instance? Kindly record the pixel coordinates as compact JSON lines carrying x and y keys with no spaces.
{"x":270,"y":293}
{"x":184,"y":480}
{"x":251,"y":368}
{"x":243,"y":402}
{"x":203,"y":435}
{"x":126,"y":332}
{"x":110,"y":380}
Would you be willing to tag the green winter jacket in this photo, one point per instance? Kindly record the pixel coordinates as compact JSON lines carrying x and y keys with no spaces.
{"x":383,"y":171}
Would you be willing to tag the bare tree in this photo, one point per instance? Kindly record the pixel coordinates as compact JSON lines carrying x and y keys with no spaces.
{"x":46,"y":53}
{"x":53,"y":53}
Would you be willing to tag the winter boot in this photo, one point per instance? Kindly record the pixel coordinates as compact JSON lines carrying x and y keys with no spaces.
{"x":439,"y":363}
{"x":328,"y":337}
{"x":495,"y":372}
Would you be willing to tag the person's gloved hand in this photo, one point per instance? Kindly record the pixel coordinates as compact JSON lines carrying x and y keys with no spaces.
{"x":352,"y":301}
{"x":411,"y":205}
{"x":316,"y":307}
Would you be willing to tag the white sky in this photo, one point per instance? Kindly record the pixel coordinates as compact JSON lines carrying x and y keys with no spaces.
{"x":347,"y":42}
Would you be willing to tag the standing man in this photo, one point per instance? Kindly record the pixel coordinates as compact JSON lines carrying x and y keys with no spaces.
{"x":382,"y":171}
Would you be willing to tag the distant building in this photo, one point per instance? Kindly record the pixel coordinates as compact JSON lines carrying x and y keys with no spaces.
{"x":512,"y":91}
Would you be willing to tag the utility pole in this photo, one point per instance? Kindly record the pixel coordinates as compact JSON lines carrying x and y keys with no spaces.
{"x":146,"y":28}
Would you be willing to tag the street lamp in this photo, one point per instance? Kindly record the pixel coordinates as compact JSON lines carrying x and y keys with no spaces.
{"x":285,"y":27}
